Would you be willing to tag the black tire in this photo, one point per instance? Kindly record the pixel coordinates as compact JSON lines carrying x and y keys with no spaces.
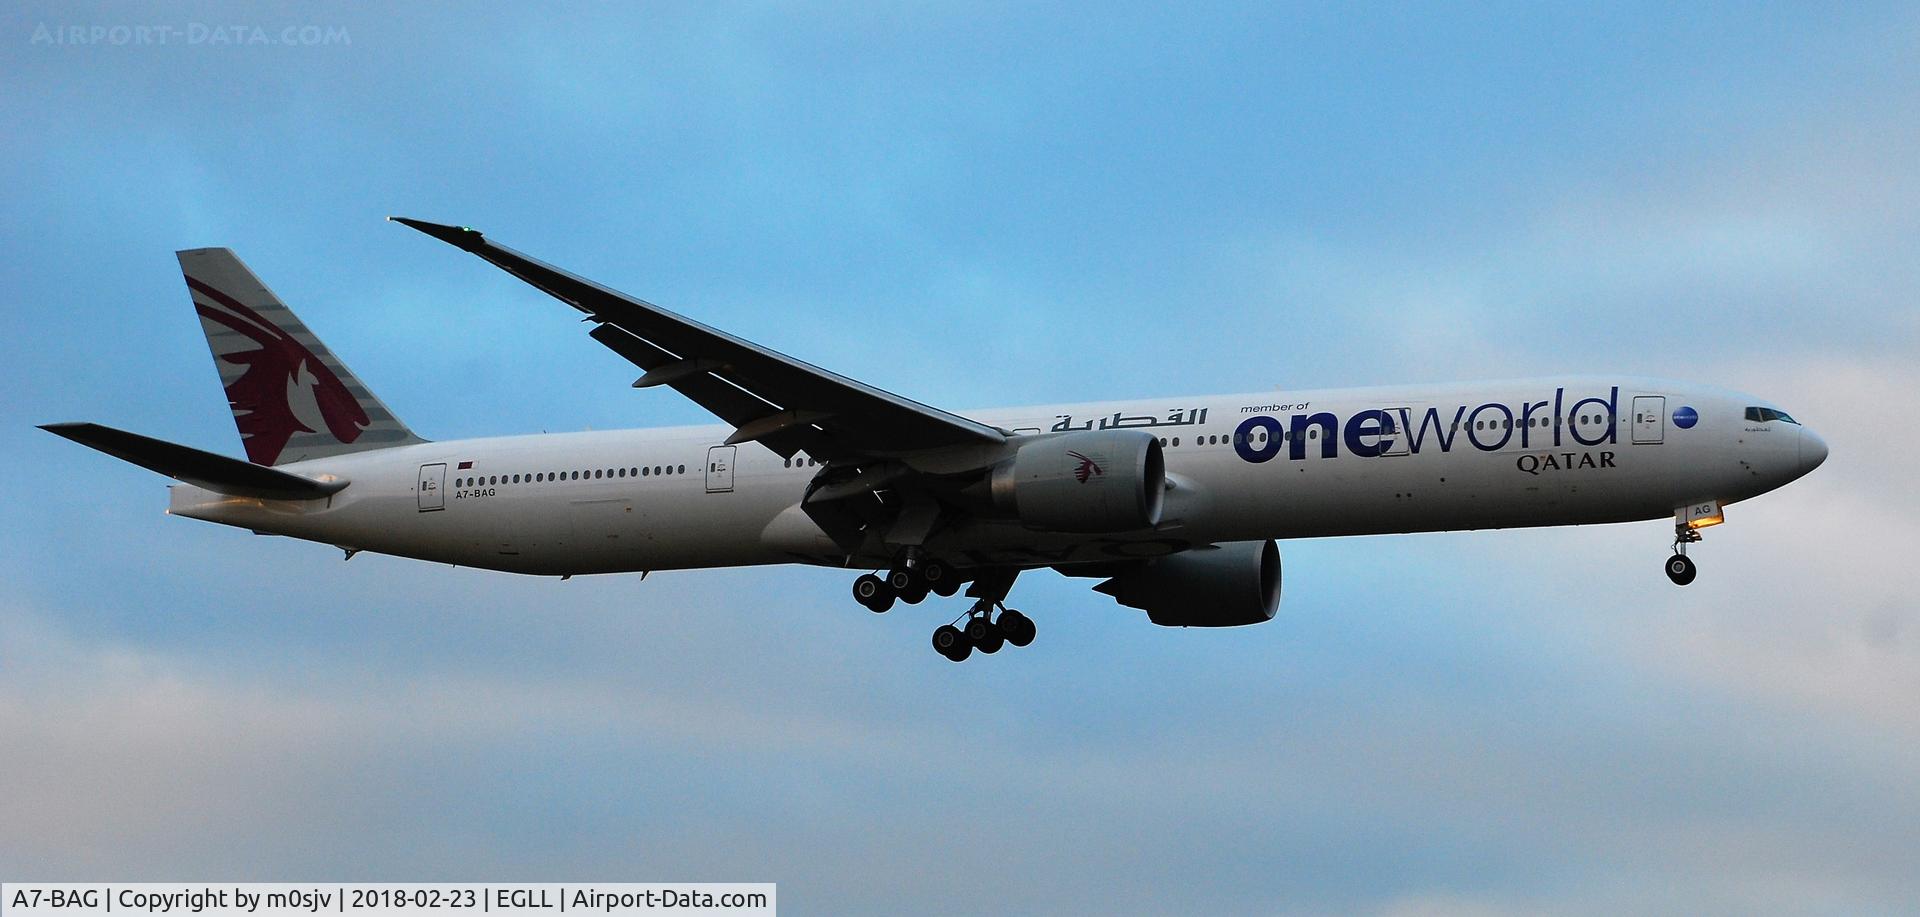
{"x":915,"y":594}
{"x":947,"y":587}
{"x":902,"y":579}
{"x":935,"y":574}
{"x":1681,"y":570}
{"x":977,"y":629}
{"x":948,"y":641}
{"x":1018,"y":627}
{"x":992,"y":642}
{"x":873,"y":593}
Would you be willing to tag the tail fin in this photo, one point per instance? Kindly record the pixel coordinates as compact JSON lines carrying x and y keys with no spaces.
{"x":292,"y":398}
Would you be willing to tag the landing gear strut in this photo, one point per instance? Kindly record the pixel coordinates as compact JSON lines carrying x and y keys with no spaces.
{"x":1680,"y":567}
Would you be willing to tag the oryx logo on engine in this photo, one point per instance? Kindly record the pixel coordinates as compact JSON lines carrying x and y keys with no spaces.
{"x":1087,"y":468}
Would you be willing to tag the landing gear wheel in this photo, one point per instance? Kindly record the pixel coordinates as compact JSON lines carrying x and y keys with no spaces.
{"x":939,"y":578}
{"x":1681,"y":570}
{"x":991,"y":643}
{"x":948,"y":641}
{"x":914,"y":594}
{"x":873,"y":592}
{"x":1017,"y":627}
{"x":902,"y":579}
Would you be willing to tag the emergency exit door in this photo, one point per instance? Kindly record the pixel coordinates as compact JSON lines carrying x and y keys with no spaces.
{"x":720,"y":469}
{"x":1649,"y":418}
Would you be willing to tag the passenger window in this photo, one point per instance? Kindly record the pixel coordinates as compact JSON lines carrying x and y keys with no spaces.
{"x":1176,"y":441}
{"x":683,"y":469}
{"x":643,"y":472}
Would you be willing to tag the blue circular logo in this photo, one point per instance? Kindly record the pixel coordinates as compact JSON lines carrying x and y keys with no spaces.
{"x":1685,"y":417}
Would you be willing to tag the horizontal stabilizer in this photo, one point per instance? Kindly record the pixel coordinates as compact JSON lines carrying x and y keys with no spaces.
{"x":214,"y":472}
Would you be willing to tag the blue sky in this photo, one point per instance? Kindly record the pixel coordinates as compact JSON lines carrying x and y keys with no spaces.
{"x":977,"y":205}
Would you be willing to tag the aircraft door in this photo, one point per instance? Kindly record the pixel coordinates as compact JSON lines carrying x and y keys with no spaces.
{"x":432,"y":489}
{"x":1398,"y":431}
{"x":720,"y":469}
{"x":1649,"y":418}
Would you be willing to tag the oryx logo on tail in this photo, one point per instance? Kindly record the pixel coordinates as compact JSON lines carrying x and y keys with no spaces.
{"x":283,"y":389}
{"x":291,"y":398}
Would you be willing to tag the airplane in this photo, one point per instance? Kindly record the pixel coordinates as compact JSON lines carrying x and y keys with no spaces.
{"x":1173,"y":504}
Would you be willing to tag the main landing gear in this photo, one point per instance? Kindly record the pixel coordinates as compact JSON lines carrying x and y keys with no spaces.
{"x":983,"y":630}
{"x":1680,"y":567}
{"x":910,"y":582}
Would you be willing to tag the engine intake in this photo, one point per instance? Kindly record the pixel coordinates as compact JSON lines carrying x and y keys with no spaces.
{"x":1225,"y":585}
{"x":1093,"y":481}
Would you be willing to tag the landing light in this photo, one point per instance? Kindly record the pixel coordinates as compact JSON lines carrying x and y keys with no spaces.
{"x":1700,"y":515}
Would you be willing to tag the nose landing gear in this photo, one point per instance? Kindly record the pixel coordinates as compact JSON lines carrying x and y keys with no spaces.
{"x":1680,"y":567}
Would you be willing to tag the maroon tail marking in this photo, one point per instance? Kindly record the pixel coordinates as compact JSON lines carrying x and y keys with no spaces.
{"x":259,"y":396}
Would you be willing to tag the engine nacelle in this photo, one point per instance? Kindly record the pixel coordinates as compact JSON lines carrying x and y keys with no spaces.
{"x":1092,"y":481}
{"x":1218,"y":586}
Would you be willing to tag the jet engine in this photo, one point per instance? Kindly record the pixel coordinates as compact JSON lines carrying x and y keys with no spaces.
{"x":1223,"y":585}
{"x":1091,"y":481}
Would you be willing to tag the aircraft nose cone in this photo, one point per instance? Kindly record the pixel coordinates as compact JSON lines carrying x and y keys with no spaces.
{"x":1813,"y":450}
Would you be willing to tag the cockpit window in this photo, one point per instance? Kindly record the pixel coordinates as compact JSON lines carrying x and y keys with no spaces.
{"x":1762,"y":415}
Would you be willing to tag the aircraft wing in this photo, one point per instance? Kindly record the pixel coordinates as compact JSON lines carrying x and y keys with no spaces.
{"x":786,"y":404}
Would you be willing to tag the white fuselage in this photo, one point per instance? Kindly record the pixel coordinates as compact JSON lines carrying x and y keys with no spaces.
{"x":1280,"y":465}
